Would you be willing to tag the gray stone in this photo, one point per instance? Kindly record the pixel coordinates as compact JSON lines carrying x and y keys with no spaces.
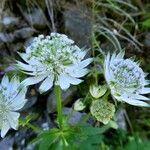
{"x":120,"y":118}
{"x":66,"y":98}
{"x":7,"y":143}
{"x":78,"y":24}
{"x":24,"y":33}
{"x":30,"y":146}
{"x":36,"y":18}
{"x":32,"y":97}
{"x":6,"y":37}
{"x":21,"y":136}
{"x":147,"y":39}
{"x":75,"y":116}
{"x":9,"y":22}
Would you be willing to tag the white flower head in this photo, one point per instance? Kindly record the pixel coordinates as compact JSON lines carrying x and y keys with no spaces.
{"x":54,"y":59}
{"x":126,"y":79}
{"x":11,"y":99}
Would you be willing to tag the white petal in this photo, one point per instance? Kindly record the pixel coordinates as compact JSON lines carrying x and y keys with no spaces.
{"x":13,"y":119}
{"x":24,"y":56}
{"x":82,"y":54}
{"x":140,"y":97}
{"x":75,"y":72}
{"x":145,"y":91}
{"x":147,"y":82}
{"x":29,"y":73}
{"x":113,"y":57}
{"x":136,"y":103}
{"x":5,"y":81}
{"x":25,"y":67}
{"x":46,"y":84}
{"x":5,"y":128}
{"x":72,"y":80}
{"x":106,"y":67}
{"x":15,"y":81}
{"x":19,"y":101}
{"x":63,"y":82}
{"x":85,"y":63}
{"x":13,"y":85}
{"x":120,"y":55}
{"x":33,"y":80}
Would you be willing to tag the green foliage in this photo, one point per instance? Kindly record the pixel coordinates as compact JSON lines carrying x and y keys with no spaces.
{"x":113,"y":21}
{"x":136,"y":143}
{"x":71,"y":138}
{"x":146,"y":21}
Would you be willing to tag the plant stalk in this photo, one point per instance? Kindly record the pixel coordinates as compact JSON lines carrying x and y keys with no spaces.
{"x":57,"y":91}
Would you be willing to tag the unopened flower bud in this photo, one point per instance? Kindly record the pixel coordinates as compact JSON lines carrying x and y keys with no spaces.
{"x":103,"y":111}
{"x":78,"y":105}
{"x":97,"y":91}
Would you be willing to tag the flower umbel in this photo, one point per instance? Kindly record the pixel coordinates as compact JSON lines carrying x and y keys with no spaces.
{"x":11,"y":100}
{"x":126,"y":80}
{"x":54,"y":59}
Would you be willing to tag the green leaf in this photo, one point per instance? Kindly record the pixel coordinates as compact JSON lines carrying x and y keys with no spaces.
{"x":93,"y":130}
{"x":146,"y":23}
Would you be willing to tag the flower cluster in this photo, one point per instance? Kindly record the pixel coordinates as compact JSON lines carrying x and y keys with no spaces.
{"x":54,"y":59}
{"x":11,"y":99}
{"x":102,"y":110}
{"x":126,"y":80}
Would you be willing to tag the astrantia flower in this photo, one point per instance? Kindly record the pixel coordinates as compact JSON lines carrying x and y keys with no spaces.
{"x":11,"y":100}
{"x":126,"y":80}
{"x":102,"y":110}
{"x":54,"y":59}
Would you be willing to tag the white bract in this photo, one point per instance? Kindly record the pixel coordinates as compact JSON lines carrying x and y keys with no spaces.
{"x":11,"y":99}
{"x":54,"y":59}
{"x":126,"y":80}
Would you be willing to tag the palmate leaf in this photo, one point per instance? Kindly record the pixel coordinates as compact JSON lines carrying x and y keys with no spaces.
{"x":71,"y":138}
{"x":46,"y":143}
{"x":93,"y":130}
{"x":85,"y":137}
{"x":91,"y":143}
{"x":46,"y":139}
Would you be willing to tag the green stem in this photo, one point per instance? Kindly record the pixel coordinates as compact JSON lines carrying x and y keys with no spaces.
{"x":28,"y":124}
{"x":84,"y":119}
{"x":105,"y":97}
{"x":57,"y":91}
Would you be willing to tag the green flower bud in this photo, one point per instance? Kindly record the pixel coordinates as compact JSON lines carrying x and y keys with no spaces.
{"x":103,"y":111}
{"x":97,"y":91}
{"x":78,"y":105}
